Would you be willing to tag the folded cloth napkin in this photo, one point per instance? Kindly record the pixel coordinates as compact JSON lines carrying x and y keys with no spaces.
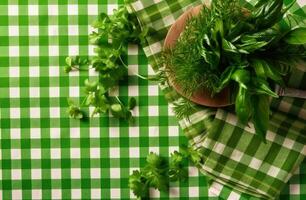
{"x":238,"y":164}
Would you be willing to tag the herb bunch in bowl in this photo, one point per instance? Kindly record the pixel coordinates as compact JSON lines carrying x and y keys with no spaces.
{"x":245,"y":50}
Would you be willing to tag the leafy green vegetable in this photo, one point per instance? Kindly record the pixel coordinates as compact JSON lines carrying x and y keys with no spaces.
{"x":183,"y":108}
{"x":158,"y":172}
{"x":111,"y":39}
{"x":139,"y":185}
{"x":225,"y":78}
{"x":246,"y":50}
{"x":176,"y":168}
{"x":194,"y":155}
{"x":261,"y":114}
{"x":98,"y":97}
{"x":242,"y":77}
{"x":266,"y":14}
{"x":73,"y":63}
{"x":296,"y":36}
{"x":122,"y":28}
{"x":262,"y":87}
{"x":132,"y":103}
{"x":74,"y":111}
{"x":243,"y":105}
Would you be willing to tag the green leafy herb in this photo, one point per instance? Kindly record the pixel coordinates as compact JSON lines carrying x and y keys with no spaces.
{"x":243,"y":105}
{"x":111,"y":39}
{"x":75,"y":63}
{"x":132,"y":103}
{"x":157,"y":173}
{"x":183,"y":108}
{"x":122,"y":28}
{"x":246,"y":50}
{"x":296,"y":36}
{"x":261,"y":114}
{"x":74,"y":111}
{"x":192,"y":154}
{"x":98,"y":97}
{"x":176,"y":168}
{"x":139,"y":185}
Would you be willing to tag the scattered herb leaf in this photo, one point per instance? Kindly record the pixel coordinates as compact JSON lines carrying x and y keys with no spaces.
{"x":158,"y":172}
{"x":74,"y":111}
{"x":111,"y":39}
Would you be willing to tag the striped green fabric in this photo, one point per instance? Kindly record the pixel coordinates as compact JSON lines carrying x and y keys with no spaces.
{"x":238,"y":164}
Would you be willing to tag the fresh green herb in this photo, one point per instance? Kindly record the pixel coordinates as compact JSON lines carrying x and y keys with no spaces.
{"x":111,"y":39}
{"x":296,"y":36}
{"x":183,"y":108}
{"x":248,"y":51}
{"x":98,"y":97}
{"x":74,"y":111}
{"x":131,"y":103}
{"x":122,"y":28}
{"x":75,"y":63}
{"x":157,"y":173}
{"x":139,"y":185}
{"x":192,"y":154}
{"x":176,"y":168}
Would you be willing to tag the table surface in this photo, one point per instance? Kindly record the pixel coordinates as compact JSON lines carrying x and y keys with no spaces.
{"x":46,"y":155}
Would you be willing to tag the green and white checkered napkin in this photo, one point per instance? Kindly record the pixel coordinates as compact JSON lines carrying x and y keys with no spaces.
{"x":239,"y":165}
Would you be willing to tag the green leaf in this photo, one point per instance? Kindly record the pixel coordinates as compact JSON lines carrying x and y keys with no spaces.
{"x":219,"y":29}
{"x":183,"y":108}
{"x":95,"y":38}
{"x":194,"y":155}
{"x":267,"y":13}
{"x":261,"y":114}
{"x":138,"y":185}
{"x":132,"y":103}
{"x":67,"y":69}
{"x":69,"y":61}
{"x":238,"y":28}
{"x":88,"y":100}
{"x":156,"y":172}
{"x":102,"y":21}
{"x":176,"y":168}
{"x":296,"y":36}
{"x":242,"y":76}
{"x":91,"y":86}
{"x":117,"y":111}
{"x":243,"y":105}
{"x":154,"y":160}
{"x":265,"y":69}
{"x":74,"y":111}
{"x":228,"y":46}
{"x":262,"y":87}
{"x":252,"y":46}
{"x":259,"y":68}
{"x":266,"y":35}
{"x":226,"y":77}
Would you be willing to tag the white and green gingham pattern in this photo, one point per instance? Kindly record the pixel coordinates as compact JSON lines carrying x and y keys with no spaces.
{"x":46,"y":155}
{"x":238,"y":164}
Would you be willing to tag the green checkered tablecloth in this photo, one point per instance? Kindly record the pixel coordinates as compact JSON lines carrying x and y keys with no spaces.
{"x":237,"y":163}
{"x":46,"y":155}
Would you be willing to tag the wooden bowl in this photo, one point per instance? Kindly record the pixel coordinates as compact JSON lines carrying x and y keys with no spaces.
{"x":202,"y":96}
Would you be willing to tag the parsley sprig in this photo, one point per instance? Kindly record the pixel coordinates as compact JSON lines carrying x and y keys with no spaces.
{"x":111,"y":38}
{"x":158,"y":172}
